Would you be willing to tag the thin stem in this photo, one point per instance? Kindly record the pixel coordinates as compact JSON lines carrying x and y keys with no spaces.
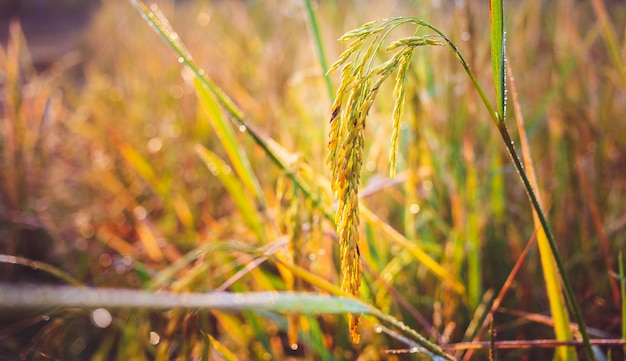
{"x":470,"y":73}
{"x":320,"y":48}
{"x":569,"y":294}
{"x":620,"y":260}
{"x":222,"y":98}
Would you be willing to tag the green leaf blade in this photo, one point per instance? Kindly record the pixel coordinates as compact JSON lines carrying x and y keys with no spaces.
{"x":18,"y":297}
{"x":235,"y":189}
{"x":498,"y":56}
{"x":226,"y":135}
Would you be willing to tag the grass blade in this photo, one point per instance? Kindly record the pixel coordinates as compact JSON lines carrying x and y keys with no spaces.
{"x":228,"y":354}
{"x":472,"y":229}
{"x":569,"y":294}
{"x":234,"y":187}
{"x":16,"y":297}
{"x":610,"y":38}
{"x":276,"y":153}
{"x":558,"y":307}
{"x":226,"y":135}
{"x":141,"y":165}
{"x":43,"y":297}
{"x":148,"y":240}
{"x":320,"y":48}
{"x":42,"y":266}
{"x":622,"y":276}
{"x":433,"y":266}
{"x":496,"y":17}
{"x":322,"y":284}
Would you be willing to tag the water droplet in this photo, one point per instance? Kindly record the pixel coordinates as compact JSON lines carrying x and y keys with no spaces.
{"x":155,"y":338}
{"x":86,"y":230}
{"x":155,"y":144}
{"x":203,"y":18}
{"x":378,"y":329}
{"x":120,"y":269}
{"x":414,"y":208}
{"x":242,"y":128}
{"x":181,"y":59}
{"x":101,"y":318}
{"x":34,"y":265}
{"x":105,"y":260}
{"x":140,"y":213}
{"x":414,"y":350}
{"x":294,"y":346}
{"x":312,"y":256}
{"x":177,"y":91}
{"x":45,"y":318}
{"x":201,"y":71}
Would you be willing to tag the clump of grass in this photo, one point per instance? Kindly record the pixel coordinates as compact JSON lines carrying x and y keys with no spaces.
{"x":31,"y":109}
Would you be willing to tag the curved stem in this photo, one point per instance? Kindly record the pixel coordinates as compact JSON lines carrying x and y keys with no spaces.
{"x":470,"y":73}
{"x":569,"y":294}
{"x":519,"y":166}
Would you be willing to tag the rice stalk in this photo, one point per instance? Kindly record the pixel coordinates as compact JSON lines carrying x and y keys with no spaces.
{"x":360,"y":83}
{"x":350,"y":80}
{"x":622,"y":275}
{"x":292,"y":223}
{"x":558,"y":307}
{"x":222,"y":349}
{"x":319,"y":47}
{"x":544,"y":233}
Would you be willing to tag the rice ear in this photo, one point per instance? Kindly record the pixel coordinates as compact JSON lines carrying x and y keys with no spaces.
{"x":360,"y":82}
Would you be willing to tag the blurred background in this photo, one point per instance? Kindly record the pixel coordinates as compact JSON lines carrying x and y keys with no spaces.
{"x":100,"y":178}
{"x":53,"y":28}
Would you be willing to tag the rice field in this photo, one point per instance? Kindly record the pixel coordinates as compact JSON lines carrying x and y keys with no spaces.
{"x":316,"y":180}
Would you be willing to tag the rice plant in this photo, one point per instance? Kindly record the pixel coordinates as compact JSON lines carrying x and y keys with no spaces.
{"x":189,"y":212}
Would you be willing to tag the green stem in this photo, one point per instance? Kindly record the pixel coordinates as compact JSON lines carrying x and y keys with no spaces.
{"x":320,"y":48}
{"x":221,"y":97}
{"x":470,"y":73}
{"x":41,"y":266}
{"x":569,"y":294}
{"x":620,"y":260}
